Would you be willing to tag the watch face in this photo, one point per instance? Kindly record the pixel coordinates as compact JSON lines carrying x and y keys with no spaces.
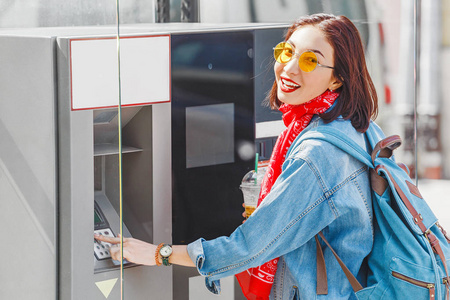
{"x":166,"y":251}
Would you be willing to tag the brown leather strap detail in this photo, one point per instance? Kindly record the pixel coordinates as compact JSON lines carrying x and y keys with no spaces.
{"x":386,"y":146}
{"x":432,"y":293}
{"x":322,"y":281}
{"x":379,"y":184}
{"x":434,"y":242}
{"x":352,"y":279}
{"x":413,"y":189}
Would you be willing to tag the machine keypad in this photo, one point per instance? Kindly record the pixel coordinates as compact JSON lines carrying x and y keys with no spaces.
{"x":101,"y":249}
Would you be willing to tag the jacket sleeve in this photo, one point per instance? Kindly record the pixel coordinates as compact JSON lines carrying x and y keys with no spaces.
{"x":295,"y":210}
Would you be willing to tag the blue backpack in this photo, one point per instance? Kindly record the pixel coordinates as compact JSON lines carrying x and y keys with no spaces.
{"x":411,"y":250}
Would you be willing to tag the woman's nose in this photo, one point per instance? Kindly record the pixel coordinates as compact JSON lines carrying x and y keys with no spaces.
{"x":292,"y":66}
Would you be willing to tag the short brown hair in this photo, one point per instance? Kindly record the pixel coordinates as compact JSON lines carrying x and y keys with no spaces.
{"x":358,"y":99}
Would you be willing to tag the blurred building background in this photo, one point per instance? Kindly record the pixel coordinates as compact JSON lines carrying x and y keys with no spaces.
{"x":387,"y":28}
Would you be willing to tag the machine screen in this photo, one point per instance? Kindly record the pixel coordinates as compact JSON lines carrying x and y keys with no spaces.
{"x":97,"y":218}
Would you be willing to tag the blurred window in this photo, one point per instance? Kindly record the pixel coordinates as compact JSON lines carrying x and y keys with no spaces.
{"x":355,"y":10}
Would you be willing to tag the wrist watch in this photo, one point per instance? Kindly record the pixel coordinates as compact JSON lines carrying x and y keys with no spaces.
{"x":165,"y":252}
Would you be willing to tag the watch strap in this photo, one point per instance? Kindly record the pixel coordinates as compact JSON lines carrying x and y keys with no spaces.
{"x":166,"y":261}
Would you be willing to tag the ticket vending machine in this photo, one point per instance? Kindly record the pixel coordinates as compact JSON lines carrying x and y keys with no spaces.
{"x":59,"y":160}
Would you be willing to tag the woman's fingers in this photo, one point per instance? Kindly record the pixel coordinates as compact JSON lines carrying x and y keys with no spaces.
{"x":107,"y":239}
{"x":135,"y":251}
{"x":244,"y":215}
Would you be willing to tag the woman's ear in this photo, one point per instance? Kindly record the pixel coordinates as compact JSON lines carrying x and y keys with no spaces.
{"x":335,"y":85}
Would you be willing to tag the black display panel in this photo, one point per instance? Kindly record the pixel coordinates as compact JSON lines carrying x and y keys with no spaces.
{"x":212,"y":126}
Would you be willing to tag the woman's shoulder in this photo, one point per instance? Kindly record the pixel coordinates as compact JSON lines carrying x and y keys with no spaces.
{"x":315,"y":149}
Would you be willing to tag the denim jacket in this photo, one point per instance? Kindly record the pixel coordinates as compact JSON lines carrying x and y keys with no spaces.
{"x":321,"y":188}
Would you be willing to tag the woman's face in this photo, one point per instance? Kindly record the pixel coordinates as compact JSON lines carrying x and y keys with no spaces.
{"x":295,"y":86}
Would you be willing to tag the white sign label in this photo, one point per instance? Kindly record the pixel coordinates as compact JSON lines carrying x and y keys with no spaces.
{"x":144,"y":69}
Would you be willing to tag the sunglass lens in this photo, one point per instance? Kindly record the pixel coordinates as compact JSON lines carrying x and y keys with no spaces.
{"x":283,"y":53}
{"x":307,"y":61}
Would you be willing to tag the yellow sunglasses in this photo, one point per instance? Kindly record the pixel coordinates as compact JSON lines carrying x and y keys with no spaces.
{"x":307,"y":61}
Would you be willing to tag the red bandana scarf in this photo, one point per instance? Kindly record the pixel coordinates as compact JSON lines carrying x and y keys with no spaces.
{"x":256,"y":283}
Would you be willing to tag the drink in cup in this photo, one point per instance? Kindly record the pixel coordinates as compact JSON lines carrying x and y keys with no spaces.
{"x":250,"y":187}
{"x":249,"y":209}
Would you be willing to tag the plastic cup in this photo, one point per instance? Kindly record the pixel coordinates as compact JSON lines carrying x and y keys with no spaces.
{"x":250,"y":187}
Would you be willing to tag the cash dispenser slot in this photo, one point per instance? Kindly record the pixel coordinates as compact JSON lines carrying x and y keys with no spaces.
{"x":110,"y":149}
{"x":105,"y":130}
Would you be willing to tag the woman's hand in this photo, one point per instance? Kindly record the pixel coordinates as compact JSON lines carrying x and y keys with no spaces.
{"x":244,"y":215}
{"x":135,"y":251}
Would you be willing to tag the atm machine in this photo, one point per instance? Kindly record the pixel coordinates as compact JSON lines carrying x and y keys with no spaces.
{"x":59,"y":125}
{"x":88,"y":91}
{"x":59,"y":159}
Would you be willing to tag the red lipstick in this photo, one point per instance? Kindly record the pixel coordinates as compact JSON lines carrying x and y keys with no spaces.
{"x":287,"y":85}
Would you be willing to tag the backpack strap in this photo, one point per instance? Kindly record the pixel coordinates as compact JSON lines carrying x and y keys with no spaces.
{"x":338,"y":139}
{"x":320,"y":280}
{"x":381,"y":147}
{"x":385,"y":147}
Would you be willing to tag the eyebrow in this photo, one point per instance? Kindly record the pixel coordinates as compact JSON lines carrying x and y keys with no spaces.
{"x":312,"y":50}
{"x":316,"y":51}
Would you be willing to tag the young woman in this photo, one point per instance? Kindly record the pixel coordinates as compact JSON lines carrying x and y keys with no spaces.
{"x":321,"y":79}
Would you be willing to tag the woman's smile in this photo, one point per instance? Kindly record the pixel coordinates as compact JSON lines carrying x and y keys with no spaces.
{"x":287,"y":85}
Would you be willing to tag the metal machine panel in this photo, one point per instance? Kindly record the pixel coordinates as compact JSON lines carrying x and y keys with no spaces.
{"x":28,"y":185}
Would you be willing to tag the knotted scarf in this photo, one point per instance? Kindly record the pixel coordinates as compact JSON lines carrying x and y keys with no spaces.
{"x":256,"y":283}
